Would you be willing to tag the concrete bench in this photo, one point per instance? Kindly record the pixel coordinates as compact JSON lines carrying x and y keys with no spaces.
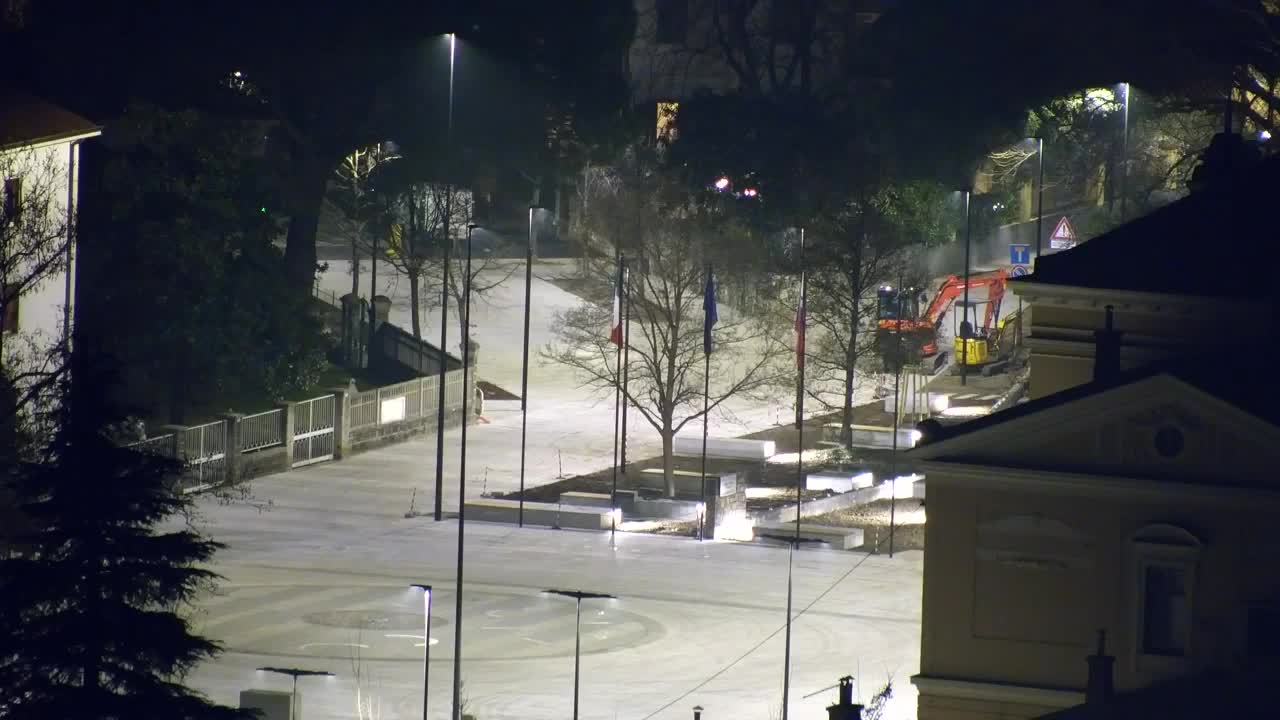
{"x":837,"y":537}
{"x":539,"y":513}
{"x":837,"y":481}
{"x":725,"y":448}
{"x":687,"y":483}
{"x":874,"y":435}
{"x":586,"y":499}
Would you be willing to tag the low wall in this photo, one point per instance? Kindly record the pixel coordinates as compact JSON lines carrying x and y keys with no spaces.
{"x":267,"y":461}
{"x":376,"y":436}
{"x":905,"y":488}
{"x":549,"y":514}
{"x":665,"y":509}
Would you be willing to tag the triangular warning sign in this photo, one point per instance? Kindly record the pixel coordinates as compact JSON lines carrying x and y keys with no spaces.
{"x":1064,"y":231}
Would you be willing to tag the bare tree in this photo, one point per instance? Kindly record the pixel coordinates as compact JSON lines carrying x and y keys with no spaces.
{"x":666,"y":372}
{"x":350,"y":195}
{"x":423,"y":218}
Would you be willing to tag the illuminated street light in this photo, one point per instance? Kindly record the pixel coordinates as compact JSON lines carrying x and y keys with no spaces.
{"x":295,"y":673}
{"x":426,"y":641}
{"x":579,"y":596}
{"x":1265,"y":135}
{"x":750,"y":192}
{"x":722,"y":183}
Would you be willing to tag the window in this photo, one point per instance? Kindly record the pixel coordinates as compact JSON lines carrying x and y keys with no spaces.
{"x":1166,"y":616}
{"x":12,"y":198}
{"x":1165,"y":559}
{"x":1263,"y":636}
{"x":672,"y":21}
{"x":9,"y":308}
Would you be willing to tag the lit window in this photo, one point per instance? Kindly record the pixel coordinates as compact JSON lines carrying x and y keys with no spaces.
{"x":672,"y":21}
{"x":666,"y":125}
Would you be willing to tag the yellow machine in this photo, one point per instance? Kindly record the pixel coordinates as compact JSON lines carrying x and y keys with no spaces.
{"x":984,"y":344}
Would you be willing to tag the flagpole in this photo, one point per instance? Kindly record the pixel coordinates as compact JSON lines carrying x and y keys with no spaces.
{"x":801,"y":322}
{"x":893,"y":457}
{"x":617,"y":401}
{"x":708,"y":306}
{"x":626,"y":363}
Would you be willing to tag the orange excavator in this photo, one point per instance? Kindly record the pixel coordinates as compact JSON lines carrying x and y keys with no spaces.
{"x":900,"y":319}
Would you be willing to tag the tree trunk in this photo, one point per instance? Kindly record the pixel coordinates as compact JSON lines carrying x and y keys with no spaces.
{"x":414,"y":314}
{"x":850,"y":360}
{"x":300,"y":243}
{"x":668,"y":460}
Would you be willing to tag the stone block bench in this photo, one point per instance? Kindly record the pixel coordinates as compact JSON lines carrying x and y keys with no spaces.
{"x":686,"y":481}
{"x":838,"y":537}
{"x":876,"y":436}
{"x":584,"y":499}
{"x":725,"y":448}
{"x":540,"y":513}
{"x":840,"y":482}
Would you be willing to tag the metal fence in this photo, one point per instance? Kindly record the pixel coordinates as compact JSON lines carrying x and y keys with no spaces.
{"x":408,"y":400}
{"x":263,"y":430}
{"x":204,"y":449}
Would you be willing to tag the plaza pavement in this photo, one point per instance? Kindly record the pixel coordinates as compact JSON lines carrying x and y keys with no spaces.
{"x":318,"y":562}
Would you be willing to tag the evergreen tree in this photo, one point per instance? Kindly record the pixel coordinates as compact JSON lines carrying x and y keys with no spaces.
{"x":92,"y":594}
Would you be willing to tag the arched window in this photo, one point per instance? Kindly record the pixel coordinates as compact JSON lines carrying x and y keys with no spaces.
{"x":1165,"y":558}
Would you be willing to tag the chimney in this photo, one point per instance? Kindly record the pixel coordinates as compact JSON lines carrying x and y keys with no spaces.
{"x":1106,"y":356}
{"x":845,"y":709}
{"x":1101,"y":684}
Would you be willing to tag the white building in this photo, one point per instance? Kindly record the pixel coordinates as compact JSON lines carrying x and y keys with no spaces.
{"x":39,"y":169}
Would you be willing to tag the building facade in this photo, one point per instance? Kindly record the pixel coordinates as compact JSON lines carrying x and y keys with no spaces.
{"x":39,"y":168}
{"x":1141,"y":507}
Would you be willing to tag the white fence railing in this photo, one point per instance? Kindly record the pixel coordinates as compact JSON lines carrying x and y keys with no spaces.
{"x":409,"y":400}
{"x":263,"y":430}
{"x":204,"y":448}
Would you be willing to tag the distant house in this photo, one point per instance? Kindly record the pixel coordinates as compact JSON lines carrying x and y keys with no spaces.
{"x":1134,"y":494}
{"x":39,"y":169}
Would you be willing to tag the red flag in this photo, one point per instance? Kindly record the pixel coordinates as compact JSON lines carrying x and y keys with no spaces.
{"x":800,"y":327}
{"x":615,"y":326}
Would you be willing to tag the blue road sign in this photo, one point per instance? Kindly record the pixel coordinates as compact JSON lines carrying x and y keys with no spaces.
{"x":1019,"y":270}
{"x":1019,"y":254}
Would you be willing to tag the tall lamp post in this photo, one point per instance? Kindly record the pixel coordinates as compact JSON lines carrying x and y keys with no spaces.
{"x":524,"y":367}
{"x":1124,"y":156}
{"x":579,"y":596}
{"x":444,"y":303}
{"x":964,"y":319}
{"x":426,"y":642}
{"x":1040,"y":200}
{"x":462,"y":477}
{"x":295,"y":673}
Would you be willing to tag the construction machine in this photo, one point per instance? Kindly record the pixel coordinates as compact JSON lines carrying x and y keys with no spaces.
{"x":901,"y":324}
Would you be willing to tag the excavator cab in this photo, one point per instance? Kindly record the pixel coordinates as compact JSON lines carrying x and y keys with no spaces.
{"x":899,"y":331}
{"x":972,"y":341}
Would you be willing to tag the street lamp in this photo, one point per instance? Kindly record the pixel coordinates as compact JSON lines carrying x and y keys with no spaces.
{"x":1040,"y":201}
{"x":462,"y":476}
{"x":579,"y":596}
{"x":295,"y":673}
{"x":792,"y":543}
{"x":426,"y":641}
{"x":524,"y":367}
{"x":444,"y":302}
{"x":964,"y":334}
{"x":1124,"y":156}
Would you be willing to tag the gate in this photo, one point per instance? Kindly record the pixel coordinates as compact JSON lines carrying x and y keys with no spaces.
{"x":313,"y":430}
{"x":204,"y":448}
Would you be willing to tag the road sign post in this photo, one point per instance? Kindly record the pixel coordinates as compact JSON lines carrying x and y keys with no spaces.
{"x":1019,"y":254}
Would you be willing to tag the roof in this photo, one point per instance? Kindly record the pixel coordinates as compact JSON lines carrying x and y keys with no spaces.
{"x":26,"y":120}
{"x":1244,"y":691}
{"x":1244,"y":381}
{"x":1202,"y":245}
